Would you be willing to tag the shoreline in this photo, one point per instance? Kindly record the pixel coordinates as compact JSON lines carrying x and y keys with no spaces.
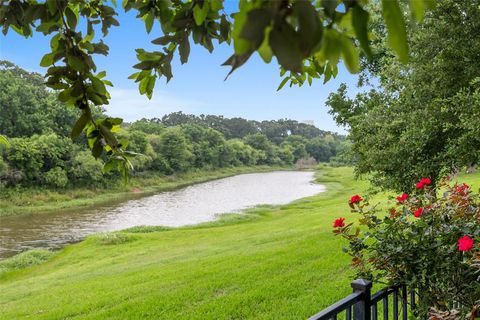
{"x":82,"y":199}
{"x":241,"y":216}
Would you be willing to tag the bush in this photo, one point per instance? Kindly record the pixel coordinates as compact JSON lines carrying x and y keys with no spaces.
{"x":425,"y":242}
{"x":25,"y":259}
{"x":3,"y":167}
{"x":25,"y":156}
{"x":57,"y":177}
{"x":113,"y":238}
{"x":85,"y":169}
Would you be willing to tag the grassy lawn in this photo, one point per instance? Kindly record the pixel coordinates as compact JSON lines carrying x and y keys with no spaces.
{"x":39,"y":200}
{"x":271,"y":263}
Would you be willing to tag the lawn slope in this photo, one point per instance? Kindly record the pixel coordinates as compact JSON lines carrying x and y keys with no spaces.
{"x":272,"y":263}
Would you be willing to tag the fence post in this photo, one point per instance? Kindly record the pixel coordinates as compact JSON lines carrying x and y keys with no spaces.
{"x":361,"y":310}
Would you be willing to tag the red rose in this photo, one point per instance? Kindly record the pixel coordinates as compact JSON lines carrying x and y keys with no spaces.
{"x":338,"y":223}
{"x":418,"y":212}
{"x":463,"y":188}
{"x":422,"y":183}
{"x":425,"y":181}
{"x":402,"y":198}
{"x":355,"y":199}
{"x":465,"y":243}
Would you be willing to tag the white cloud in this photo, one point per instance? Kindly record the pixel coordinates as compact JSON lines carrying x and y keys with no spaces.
{"x":130,"y":105}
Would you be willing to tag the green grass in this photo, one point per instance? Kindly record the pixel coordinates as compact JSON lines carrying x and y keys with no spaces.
{"x":270,"y":263}
{"x":25,"y":259}
{"x":39,"y":200}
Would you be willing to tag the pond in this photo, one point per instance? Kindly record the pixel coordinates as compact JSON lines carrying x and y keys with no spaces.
{"x":190,"y":205}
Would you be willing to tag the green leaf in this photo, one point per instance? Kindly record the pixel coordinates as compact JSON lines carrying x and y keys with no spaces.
{"x":241,"y":45}
{"x":47,"y":60}
{"x":163,"y":40}
{"x":216,"y":5}
{"x":350,"y":55}
{"x":109,"y":165}
{"x":146,"y":86}
{"x":224,"y":28}
{"x":65,"y":95}
{"x":284,"y":81}
{"x":149,"y":22}
{"x":151,"y":86}
{"x":184,"y":50}
{"x":108,"y":136}
{"x":72,"y":18}
{"x":76,"y":63}
{"x":331,"y":47}
{"x":264,"y":50}
{"x":328,"y":73}
{"x":254,"y":28}
{"x":200,"y":13}
{"x":284,"y":43}
{"x":101,"y":74}
{"x":52,"y":7}
{"x":360,"y":25}
{"x":310,"y":28}
{"x":98,"y":86}
{"x":79,"y":126}
{"x":97,"y":149}
{"x":397,"y":34}
{"x":236,"y":61}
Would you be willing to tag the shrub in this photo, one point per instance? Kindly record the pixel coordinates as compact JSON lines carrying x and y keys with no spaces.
{"x":25,"y":156}
{"x":85,"y":169}
{"x":25,"y":259}
{"x":112,"y":238}
{"x":425,"y":241}
{"x":3,"y":166}
{"x":56,"y":177}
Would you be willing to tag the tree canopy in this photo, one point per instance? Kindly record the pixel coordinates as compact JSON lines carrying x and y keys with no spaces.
{"x":422,"y":118}
{"x":307,"y":38}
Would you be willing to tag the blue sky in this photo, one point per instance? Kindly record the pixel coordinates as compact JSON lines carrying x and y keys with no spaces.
{"x":198,"y":86}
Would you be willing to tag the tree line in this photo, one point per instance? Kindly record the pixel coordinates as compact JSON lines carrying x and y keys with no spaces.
{"x":41,"y":153}
{"x":307,"y":38}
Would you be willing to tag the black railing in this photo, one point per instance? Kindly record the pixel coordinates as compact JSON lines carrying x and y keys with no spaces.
{"x":362,"y":305}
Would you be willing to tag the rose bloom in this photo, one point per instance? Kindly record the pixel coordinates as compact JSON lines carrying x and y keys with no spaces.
{"x":465,"y":243}
{"x":463,"y":188}
{"x":355,"y":199}
{"x":418,"y":212}
{"x":338,"y":223}
{"x":402,"y":198}
{"x":422,"y":183}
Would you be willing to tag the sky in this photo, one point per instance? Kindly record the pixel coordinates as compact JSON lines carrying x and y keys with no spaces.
{"x":197,"y":87}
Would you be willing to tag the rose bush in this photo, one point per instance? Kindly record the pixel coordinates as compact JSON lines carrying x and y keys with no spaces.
{"x":428,"y":240}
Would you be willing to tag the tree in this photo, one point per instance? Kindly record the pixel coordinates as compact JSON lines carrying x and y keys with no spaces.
{"x":418,"y":124}
{"x":149,"y":126}
{"x":296,"y":144}
{"x":243,"y":153}
{"x":307,"y":38}
{"x":175,"y":149}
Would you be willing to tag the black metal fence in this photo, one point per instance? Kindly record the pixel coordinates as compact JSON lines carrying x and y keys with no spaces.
{"x":391,"y":303}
